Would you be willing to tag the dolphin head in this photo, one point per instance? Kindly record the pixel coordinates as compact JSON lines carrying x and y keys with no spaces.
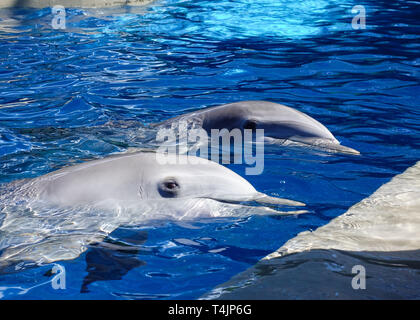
{"x":279,"y":123}
{"x":282,"y":122}
{"x":189,"y":187}
{"x":133,"y":181}
{"x":183,"y":177}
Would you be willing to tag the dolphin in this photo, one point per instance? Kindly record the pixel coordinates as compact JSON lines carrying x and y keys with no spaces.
{"x":130,"y":178}
{"x":55,"y":216}
{"x":280,"y":123}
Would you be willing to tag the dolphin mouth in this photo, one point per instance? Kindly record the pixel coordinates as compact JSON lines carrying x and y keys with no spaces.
{"x":262,"y":200}
{"x":340,"y":149}
{"x":332,"y":146}
{"x":326,"y":145}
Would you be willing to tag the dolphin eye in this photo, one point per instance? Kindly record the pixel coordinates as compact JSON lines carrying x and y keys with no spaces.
{"x":250,"y":124}
{"x":169,"y":188}
{"x":171,"y":185}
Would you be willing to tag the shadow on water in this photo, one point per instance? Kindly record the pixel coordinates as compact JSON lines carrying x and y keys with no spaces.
{"x":329,"y":274}
{"x":111,"y":259}
{"x":234,"y":253}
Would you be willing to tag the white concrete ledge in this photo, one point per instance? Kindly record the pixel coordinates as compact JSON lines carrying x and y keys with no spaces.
{"x":380,"y":233}
{"x":71,"y":3}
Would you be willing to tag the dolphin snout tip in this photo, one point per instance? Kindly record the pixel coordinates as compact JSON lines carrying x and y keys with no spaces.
{"x":299,"y":204}
{"x":350,"y":151}
{"x":265,"y":199}
{"x":339,"y":148}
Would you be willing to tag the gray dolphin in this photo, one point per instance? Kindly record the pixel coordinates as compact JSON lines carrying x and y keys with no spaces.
{"x":279,"y":122}
{"x":129,"y":178}
{"x":54,"y":217}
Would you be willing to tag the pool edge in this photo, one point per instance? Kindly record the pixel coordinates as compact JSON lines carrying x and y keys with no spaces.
{"x":249,"y":285}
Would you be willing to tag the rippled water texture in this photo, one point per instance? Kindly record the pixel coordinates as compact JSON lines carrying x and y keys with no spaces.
{"x":89,"y":90}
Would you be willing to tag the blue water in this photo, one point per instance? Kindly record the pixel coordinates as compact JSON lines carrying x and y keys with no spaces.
{"x":82,"y":93}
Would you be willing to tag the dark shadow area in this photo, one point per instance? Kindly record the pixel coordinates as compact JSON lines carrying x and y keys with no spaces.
{"x":111,"y":260}
{"x":18,"y":3}
{"x":234,"y":253}
{"x":329,"y":274}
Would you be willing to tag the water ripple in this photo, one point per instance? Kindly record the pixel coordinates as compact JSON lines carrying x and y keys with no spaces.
{"x":71,"y":95}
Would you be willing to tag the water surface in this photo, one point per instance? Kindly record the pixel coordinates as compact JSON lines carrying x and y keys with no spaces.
{"x":87,"y":91}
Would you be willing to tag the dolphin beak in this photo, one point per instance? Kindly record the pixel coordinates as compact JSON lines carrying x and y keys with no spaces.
{"x":265,"y":201}
{"x":260,"y":198}
{"x":342,"y":149}
{"x":327,"y":145}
